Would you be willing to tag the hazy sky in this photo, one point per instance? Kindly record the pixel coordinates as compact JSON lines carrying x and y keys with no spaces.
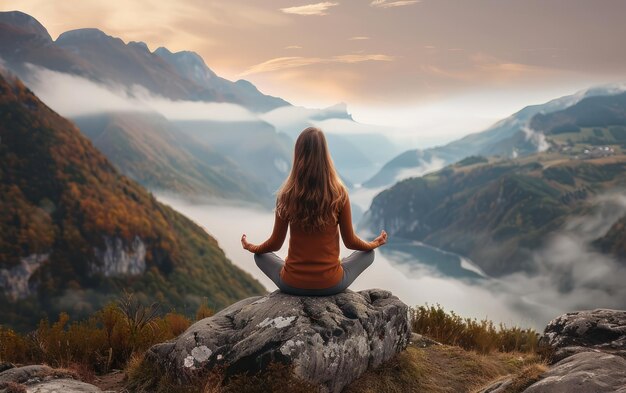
{"x":402,"y":62}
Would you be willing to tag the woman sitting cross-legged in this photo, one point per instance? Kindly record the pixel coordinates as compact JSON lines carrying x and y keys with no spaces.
{"x":313,"y":202}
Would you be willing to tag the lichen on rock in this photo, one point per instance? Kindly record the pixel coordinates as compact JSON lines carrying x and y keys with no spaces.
{"x":586,"y":331}
{"x":328,"y":341}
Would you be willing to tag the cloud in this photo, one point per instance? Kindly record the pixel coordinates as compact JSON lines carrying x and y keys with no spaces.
{"x":536,"y":138}
{"x":358,"y":38}
{"x":479,"y":66}
{"x":566,"y":274}
{"x":310,"y":9}
{"x":73,"y":96}
{"x":424,"y":168}
{"x":281,"y":63}
{"x":89,"y":97}
{"x":570,"y":273}
{"x":293,"y":47}
{"x":391,"y":4}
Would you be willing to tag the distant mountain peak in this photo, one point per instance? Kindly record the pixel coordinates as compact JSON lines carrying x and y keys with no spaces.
{"x":246,"y":84}
{"x":85,"y":34}
{"x":92,"y":53}
{"x":163,"y":51}
{"x":24,"y":22}
{"x":140,"y":45}
{"x":184,"y":54}
{"x":339,"y":110}
{"x":189,"y":64}
{"x":338,"y":107}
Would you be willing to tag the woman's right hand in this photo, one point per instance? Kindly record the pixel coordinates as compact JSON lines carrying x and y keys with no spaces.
{"x":244,"y":242}
{"x":381,"y":239}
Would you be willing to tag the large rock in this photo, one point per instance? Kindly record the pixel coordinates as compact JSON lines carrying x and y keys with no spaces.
{"x":589,"y":352}
{"x":329,"y":341}
{"x":63,"y":385}
{"x":43,"y":379}
{"x":585,"y":372}
{"x":586,"y":331}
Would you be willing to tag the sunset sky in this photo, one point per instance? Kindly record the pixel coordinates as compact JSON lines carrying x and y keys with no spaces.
{"x":403,"y":62}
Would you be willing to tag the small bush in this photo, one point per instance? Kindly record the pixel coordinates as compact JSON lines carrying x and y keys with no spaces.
{"x":481,"y":336}
{"x":204,"y":311}
{"x":106,"y":340}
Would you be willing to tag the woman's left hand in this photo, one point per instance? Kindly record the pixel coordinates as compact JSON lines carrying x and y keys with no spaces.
{"x":381,"y":239}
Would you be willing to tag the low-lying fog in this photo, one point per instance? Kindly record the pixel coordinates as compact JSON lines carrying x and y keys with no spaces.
{"x":419,"y":274}
{"x":414,"y":284}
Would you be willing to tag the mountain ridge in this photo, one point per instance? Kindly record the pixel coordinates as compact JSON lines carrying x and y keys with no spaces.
{"x":496,"y":213}
{"x":74,"y":232}
{"x":91,"y":53}
{"x":154,"y":152}
{"x":509,"y":137}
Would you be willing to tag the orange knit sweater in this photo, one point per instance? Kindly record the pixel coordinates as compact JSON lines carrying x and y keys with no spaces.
{"x":313,"y":258}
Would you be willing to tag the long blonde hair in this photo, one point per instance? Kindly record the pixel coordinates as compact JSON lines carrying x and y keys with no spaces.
{"x":313,"y":193}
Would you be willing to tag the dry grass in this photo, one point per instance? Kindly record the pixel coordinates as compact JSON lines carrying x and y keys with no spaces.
{"x":103,"y":342}
{"x":439,"y":369}
{"x":482,"y":336}
{"x":204,"y":311}
{"x":277,"y":378}
{"x":521,"y":379}
{"x":144,"y":376}
{"x":12,"y":387}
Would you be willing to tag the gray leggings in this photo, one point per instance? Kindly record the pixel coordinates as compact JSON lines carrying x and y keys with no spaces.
{"x":353,"y":265}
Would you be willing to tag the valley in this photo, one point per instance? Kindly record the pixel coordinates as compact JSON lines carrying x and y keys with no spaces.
{"x":482,"y":216}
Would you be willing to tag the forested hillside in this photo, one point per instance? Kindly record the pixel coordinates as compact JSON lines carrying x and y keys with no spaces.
{"x":74,"y":232}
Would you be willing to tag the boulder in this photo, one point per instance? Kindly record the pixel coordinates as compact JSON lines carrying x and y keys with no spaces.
{"x":588,"y":352}
{"x":592,"y":330}
{"x":328,"y":341}
{"x":585,"y":372}
{"x":39,"y":378}
{"x":34,"y":373}
{"x":63,"y":385}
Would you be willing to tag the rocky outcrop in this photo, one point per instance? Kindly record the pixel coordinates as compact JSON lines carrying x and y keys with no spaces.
{"x":15,"y":282}
{"x":585,"y":372}
{"x":117,"y":260}
{"x":584,"y":331}
{"x":587,"y":350}
{"x":328,"y":341}
{"x":42,"y":379}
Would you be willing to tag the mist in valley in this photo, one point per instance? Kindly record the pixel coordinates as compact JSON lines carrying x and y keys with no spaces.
{"x":569,"y":274}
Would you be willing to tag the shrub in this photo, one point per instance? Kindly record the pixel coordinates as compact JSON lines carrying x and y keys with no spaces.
{"x":204,"y":311}
{"x":482,"y":336}
{"x":106,"y":340}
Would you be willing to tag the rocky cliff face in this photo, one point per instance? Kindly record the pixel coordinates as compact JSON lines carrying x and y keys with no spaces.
{"x":117,"y":260}
{"x":329,"y":341}
{"x":15,"y":281}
